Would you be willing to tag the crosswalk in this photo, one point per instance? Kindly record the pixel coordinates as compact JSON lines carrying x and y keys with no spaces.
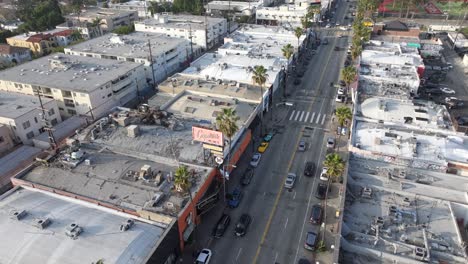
{"x":303,"y":116}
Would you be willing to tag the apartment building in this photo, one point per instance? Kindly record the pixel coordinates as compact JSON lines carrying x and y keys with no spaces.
{"x":287,"y":13}
{"x":22,"y":116}
{"x":109,"y":19}
{"x":87,"y":30}
{"x":167,"y":55}
{"x":15,"y":55}
{"x":203,"y":32}
{"x":80,"y":85}
{"x":39,"y":44}
{"x":133,"y":5}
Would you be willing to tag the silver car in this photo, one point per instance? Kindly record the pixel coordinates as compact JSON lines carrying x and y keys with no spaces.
{"x":301,"y":146}
{"x":255,"y":160}
{"x":290,"y":180}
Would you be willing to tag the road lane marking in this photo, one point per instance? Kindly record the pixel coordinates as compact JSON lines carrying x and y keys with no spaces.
{"x":238,"y":253}
{"x":323,"y":119}
{"x":302,"y":114}
{"x":294,"y":196}
{"x":306,"y":117}
{"x":292,"y":114}
{"x":276,"y":257}
{"x":312,"y":118}
{"x":285,"y":224}
{"x":297,"y":115}
{"x":318,"y":118}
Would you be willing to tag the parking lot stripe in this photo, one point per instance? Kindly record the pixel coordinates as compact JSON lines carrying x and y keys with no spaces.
{"x":312,"y":118}
{"x":292,"y":114}
{"x":318,"y":118}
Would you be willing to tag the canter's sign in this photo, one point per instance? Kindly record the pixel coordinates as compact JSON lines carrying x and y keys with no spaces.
{"x":207,"y":136}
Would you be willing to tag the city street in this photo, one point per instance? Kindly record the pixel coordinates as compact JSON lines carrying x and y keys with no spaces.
{"x":280,"y":217}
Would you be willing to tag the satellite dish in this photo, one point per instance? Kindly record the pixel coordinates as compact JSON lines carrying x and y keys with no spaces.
{"x":219,"y":160}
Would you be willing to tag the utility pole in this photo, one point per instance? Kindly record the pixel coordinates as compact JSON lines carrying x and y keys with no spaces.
{"x":152,"y":62}
{"x":47,"y":125}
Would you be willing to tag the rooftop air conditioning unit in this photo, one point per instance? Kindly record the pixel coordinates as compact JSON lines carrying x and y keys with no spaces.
{"x":73,"y":230}
{"x":42,"y":223}
{"x":127,"y":225}
{"x":18,"y":214}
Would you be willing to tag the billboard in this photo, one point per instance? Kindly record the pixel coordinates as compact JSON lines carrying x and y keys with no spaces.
{"x":207,"y":136}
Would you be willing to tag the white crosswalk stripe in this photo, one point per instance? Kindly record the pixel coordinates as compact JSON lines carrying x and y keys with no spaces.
{"x":312,"y":118}
{"x":303,"y":116}
{"x":292,"y":114}
{"x":323,"y":119}
{"x":318,"y":118}
{"x":297,"y":115}
{"x":307,"y":116}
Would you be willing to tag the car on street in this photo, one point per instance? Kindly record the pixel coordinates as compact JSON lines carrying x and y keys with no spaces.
{"x":336,"y":48}
{"x":344,"y":131}
{"x":301,"y":146}
{"x":235,"y":197}
{"x":340,"y":98}
{"x":242,"y":225}
{"x":204,"y":256}
{"x":330,"y":142}
{"x":311,"y":240}
{"x":268,"y":137}
{"x":263,"y":146}
{"x":341,"y":91}
{"x":447,"y":90}
{"x":309,"y":168}
{"x":434,"y":91}
{"x":342,"y":83}
{"x":328,"y":26}
{"x":255,"y":159}
{"x":247,"y":177}
{"x":323,"y":174}
{"x":221,"y":225}
{"x":316,"y":214}
{"x":303,"y":261}
{"x":321,"y":191}
{"x":325,"y":42}
{"x":290,"y":180}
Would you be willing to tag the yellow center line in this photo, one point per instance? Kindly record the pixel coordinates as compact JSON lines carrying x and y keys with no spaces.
{"x":270,"y":218}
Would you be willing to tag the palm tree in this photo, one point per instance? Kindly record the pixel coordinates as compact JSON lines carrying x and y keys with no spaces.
{"x":312,"y":11}
{"x":335,"y":165}
{"x":288,"y":51}
{"x":182,"y":179}
{"x":356,"y":51}
{"x":100,"y":261}
{"x":298,"y":33}
{"x":226,"y":122}
{"x":349,"y":75}
{"x":343,"y":113}
{"x":259,"y":76}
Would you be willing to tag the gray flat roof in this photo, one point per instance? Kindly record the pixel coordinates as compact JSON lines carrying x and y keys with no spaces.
{"x":110,"y":178}
{"x":14,"y":160}
{"x":93,"y":12}
{"x":100,"y":239}
{"x":134,"y":45}
{"x":14,"y":105}
{"x":181,"y":21}
{"x":74,"y":73}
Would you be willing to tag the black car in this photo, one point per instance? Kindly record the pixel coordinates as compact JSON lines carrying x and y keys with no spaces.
{"x":321,"y":191}
{"x":247,"y":177}
{"x":221,"y":226}
{"x":309,"y":169}
{"x":433,"y":91}
{"x":242,"y":225}
{"x":303,"y":261}
{"x":311,"y":240}
{"x":316,"y":214}
{"x":336,"y":48}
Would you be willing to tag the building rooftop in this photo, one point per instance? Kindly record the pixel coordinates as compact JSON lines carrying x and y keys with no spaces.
{"x":408,"y":144}
{"x":233,"y":67}
{"x":93,"y":12}
{"x":101,"y":237}
{"x":14,"y":105}
{"x":116,"y":178}
{"x":74,"y":73}
{"x":181,"y":21}
{"x":134,"y":45}
{"x":235,"y":5}
{"x":423,"y":115}
{"x":19,"y":158}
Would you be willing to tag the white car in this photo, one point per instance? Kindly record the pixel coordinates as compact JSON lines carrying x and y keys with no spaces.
{"x":340,"y":98}
{"x":328,"y":26}
{"x":341,"y":91}
{"x":255,"y":159}
{"x":290,"y":180}
{"x":323,"y":174}
{"x":204,"y":256}
{"x":447,"y":90}
{"x":451,"y":99}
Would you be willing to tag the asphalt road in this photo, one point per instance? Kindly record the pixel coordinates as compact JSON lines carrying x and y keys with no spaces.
{"x":279,"y":216}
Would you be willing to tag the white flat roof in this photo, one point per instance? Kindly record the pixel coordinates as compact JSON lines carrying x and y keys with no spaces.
{"x":14,"y":105}
{"x":101,"y":237}
{"x":181,"y":21}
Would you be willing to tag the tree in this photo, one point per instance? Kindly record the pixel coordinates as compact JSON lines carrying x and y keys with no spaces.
{"x":259,"y":76}
{"x":343,"y":113}
{"x":356,"y":51}
{"x":349,"y":75}
{"x":191,"y":6}
{"x":298,"y":33}
{"x":4,"y":34}
{"x":335,"y":165}
{"x":288,"y":51}
{"x":182,"y":179}
{"x":39,"y":15}
{"x":124,"y":30}
{"x":305,"y":22}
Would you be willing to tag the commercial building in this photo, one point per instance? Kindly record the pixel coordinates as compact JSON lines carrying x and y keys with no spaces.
{"x":166,"y":56}
{"x":22,"y":115}
{"x":46,"y":227}
{"x":79,"y":85}
{"x":109,"y":19}
{"x":14,"y":55}
{"x":133,"y":5}
{"x":289,"y":14}
{"x":87,"y":30}
{"x":203,"y":32}
{"x":220,"y":8}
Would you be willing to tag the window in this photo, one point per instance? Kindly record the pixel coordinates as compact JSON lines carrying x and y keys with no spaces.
{"x":17,"y":85}
{"x":30,"y":135}
{"x":26,"y":125}
{"x":71,"y":112}
{"x":2,"y":139}
{"x":61,"y":109}
{"x":51,"y":112}
{"x":35,"y":120}
{"x":53,"y":121}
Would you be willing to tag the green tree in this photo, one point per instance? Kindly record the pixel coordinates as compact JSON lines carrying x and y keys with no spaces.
{"x":226,"y":122}
{"x":288,"y":51}
{"x":343,"y":113}
{"x":4,"y":34}
{"x":39,"y":15}
{"x":124,"y":30}
{"x":305,"y":22}
{"x":298,"y":33}
{"x":349,"y":75}
{"x":190,"y":6}
{"x":182,"y":179}
{"x":335,"y":165}
{"x":259,"y":76}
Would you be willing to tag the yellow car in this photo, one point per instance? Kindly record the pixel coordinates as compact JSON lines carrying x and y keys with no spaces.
{"x":263,"y":147}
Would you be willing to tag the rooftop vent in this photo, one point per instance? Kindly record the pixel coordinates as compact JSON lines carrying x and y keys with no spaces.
{"x":73,"y":231}
{"x":18,"y":214}
{"x":42,"y":223}
{"x":127,"y":225}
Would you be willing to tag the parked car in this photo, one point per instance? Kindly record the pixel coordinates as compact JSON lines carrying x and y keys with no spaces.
{"x":341,"y":91}
{"x":336,"y":48}
{"x":242,"y":225}
{"x":302,"y":146}
{"x":323,"y":174}
{"x":290,"y":180}
{"x":309,"y":168}
{"x":303,"y":261}
{"x":235,"y":197}
{"x":316,"y":214}
{"x":221,"y":225}
{"x":328,"y":26}
{"x":330,"y":142}
{"x":204,"y":256}
{"x":263,"y":146}
{"x":247,"y":177}
{"x":268,"y":137}
{"x":255,"y":159}
{"x":311,"y":240}
{"x":321,"y":191}
{"x":344,"y":131}
{"x":447,"y":90}
{"x":340,"y":98}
